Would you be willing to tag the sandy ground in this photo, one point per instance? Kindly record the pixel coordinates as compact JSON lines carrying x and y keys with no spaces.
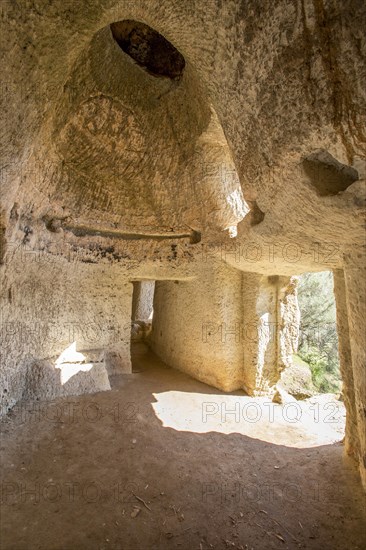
{"x":163,"y":461}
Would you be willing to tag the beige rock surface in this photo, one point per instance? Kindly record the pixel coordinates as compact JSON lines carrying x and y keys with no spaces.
{"x":246,"y":170}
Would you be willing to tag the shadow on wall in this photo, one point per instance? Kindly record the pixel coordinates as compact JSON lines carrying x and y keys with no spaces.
{"x":72,"y":373}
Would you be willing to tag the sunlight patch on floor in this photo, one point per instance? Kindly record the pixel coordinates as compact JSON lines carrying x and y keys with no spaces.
{"x":300,"y":424}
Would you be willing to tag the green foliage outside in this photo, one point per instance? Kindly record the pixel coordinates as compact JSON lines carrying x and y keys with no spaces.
{"x":318,"y":341}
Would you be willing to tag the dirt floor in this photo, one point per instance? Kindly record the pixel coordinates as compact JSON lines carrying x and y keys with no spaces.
{"x":159,"y":462}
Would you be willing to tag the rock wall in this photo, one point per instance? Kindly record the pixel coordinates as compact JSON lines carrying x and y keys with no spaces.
{"x":196,"y":326}
{"x":230,"y":329}
{"x":142,"y":300}
{"x":346,"y":366}
{"x":47,"y":304}
{"x":355,"y":279}
{"x":270,"y":330}
{"x":255,"y":156}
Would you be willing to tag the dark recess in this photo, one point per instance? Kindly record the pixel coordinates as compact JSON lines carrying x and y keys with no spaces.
{"x":327,"y":175}
{"x":149,"y":49}
{"x":257,"y":216}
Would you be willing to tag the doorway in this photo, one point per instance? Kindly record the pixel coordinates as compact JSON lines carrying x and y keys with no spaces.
{"x":141,"y":317}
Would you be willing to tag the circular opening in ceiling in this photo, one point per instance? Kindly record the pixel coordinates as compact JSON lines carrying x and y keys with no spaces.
{"x":148,"y":48}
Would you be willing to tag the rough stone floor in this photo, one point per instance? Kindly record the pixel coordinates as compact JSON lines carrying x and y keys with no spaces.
{"x":160,"y":463}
